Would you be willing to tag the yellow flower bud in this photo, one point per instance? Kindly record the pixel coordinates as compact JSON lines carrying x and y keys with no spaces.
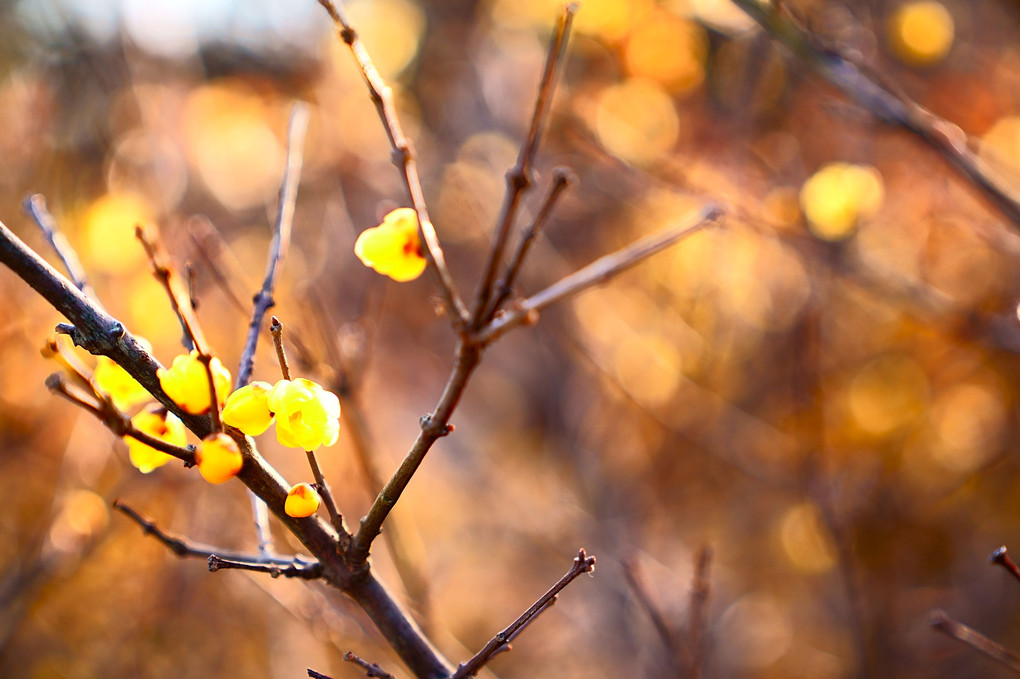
{"x":393,"y":248}
{"x":218,"y":458}
{"x":112,"y":380}
{"x":307,"y":416}
{"x":157,"y":422}
{"x":248,"y":408}
{"x":187,"y":384}
{"x":302,"y":501}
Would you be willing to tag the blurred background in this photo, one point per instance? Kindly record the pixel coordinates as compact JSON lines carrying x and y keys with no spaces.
{"x":823,"y":390}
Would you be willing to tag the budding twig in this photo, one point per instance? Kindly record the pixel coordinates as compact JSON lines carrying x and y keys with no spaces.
{"x":1000,"y":558}
{"x":403,"y":158}
{"x":518,"y":179}
{"x":35,"y":206}
{"x":501,"y":642}
{"x":371,"y":669}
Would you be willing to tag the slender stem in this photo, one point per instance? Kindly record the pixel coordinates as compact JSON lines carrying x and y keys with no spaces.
{"x":276,"y":328}
{"x":433,"y":426}
{"x":35,"y":206}
{"x":562,"y":179}
{"x":263,"y":300}
{"x":1001,"y":558}
{"x":263,"y":531}
{"x":886,"y":103}
{"x":311,"y":571}
{"x":582,"y":564}
{"x":678,"y":655}
{"x":335,"y":519}
{"x":518,"y":179}
{"x":403,"y":158}
{"x":697,"y":610}
{"x":371,"y":669}
{"x":941,"y":621}
{"x":597,"y":272}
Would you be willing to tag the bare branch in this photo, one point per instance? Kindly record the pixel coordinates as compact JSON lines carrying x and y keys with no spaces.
{"x":597,"y":272}
{"x":518,"y":179}
{"x":678,"y":654}
{"x":1001,"y":558}
{"x":371,"y":669}
{"x":941,"y":621}
{"x":281,"y":238}
{"x":294,"y":569}
{"x":403,"y":158}
{"x":35,"y":206}
{"x":276,"y":328}
{"x":886,"y":103}
{"x":582,"y":564}
{"x":700,"y":591}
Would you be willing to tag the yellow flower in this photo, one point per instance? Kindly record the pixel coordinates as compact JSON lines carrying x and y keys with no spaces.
{"x":154,"y":421}
{"x":248,"y":408}
{"x":838,"y":196}
{"x":393,"y":248}
{"x":187,"y":384}
{"x":218,"y":458}
{"x":307,"y":416}
{"x":114,"y":381}
{"x":302,"y":501}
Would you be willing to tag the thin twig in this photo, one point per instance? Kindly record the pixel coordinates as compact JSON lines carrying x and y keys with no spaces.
{"x":518,"y":179}
{"x":276,"y":328}
{"x":317,"y":675}
{"x":678,"y":654}
{"x":403,"y":158}
{"x":562,"y":179}
{"x":886,"y":103}
{"x":371,"y":669}
{"x":697,"y":610}
{"x":597,"y":272}
{"x":941,"y":621}
{"x":186,"y":548}
{"x":335,"y":518}
{"x":1001,"y":558}
{"x":582,"y":564}
{"x":263,"y":299}
{"x":294,"y":569}
{"x":35,"y":206}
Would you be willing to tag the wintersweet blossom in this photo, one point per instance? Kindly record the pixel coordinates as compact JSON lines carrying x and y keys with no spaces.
{"x":393,"y":248}
{"x":302,"y":501}
{"x":307,"y":416}
{"x":218,"y":458}
{"x":186,"y":382}
{"x":157,"y":422}
{"x":248,"y":408}
{"x":112,"y":380}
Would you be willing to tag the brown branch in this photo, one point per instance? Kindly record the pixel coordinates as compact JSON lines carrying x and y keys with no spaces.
{"x":597,"y":272}
{"x":886,"y":103}
{"x":941,"y":621}
{"x":403,"y":158}
{"x":35,"y":206}
{"x":371,"y":669}
{"x":562,"y":179}
{"x":700,"y":590}
{"x":294,"y":569}
{"x":263,"y":299}
{"x":582,"y":564}
{"x":518,"y":179}
{"x":317,"y":675}
{"x":1001,"y":558}
{"x":93,"y":329}
{"x":276,"y":328}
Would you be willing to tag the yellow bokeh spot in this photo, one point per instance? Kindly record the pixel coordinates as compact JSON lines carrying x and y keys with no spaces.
{"x":669,"y":50}
{"x":805,"y":540}
{"x":637,"y":121}
{"x":887,"y":394}
{"x":230,"y":141}
{"x":838,"y":196}
{"x":83,"y":516}
{"x":391,"y":30}
{"x":156,"y":422}
{"x":109,"y":225}
{"x":302,"y":501}
{"x":1000,"y":146}
{"x":921,"y":33}
{"x":970,"y":420}
{"x":218,"y":458}
{"x":394,"y":247}
{"x":606,"y":19}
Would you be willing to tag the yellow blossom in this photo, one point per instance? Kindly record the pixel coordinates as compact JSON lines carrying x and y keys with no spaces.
{"x":302,"y":501}
{"x":218,"y":458}
{"x":307,"y":416}
{"x":187,"y":384}
{"x":838,"y":196}
{"x":114,"y":381}
{"x":248,"y":408}
{"x":393,"y":248}
{"x":157,"y":422}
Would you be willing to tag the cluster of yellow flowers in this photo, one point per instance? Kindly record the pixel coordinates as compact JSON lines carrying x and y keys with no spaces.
{"x":306,"y":416}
